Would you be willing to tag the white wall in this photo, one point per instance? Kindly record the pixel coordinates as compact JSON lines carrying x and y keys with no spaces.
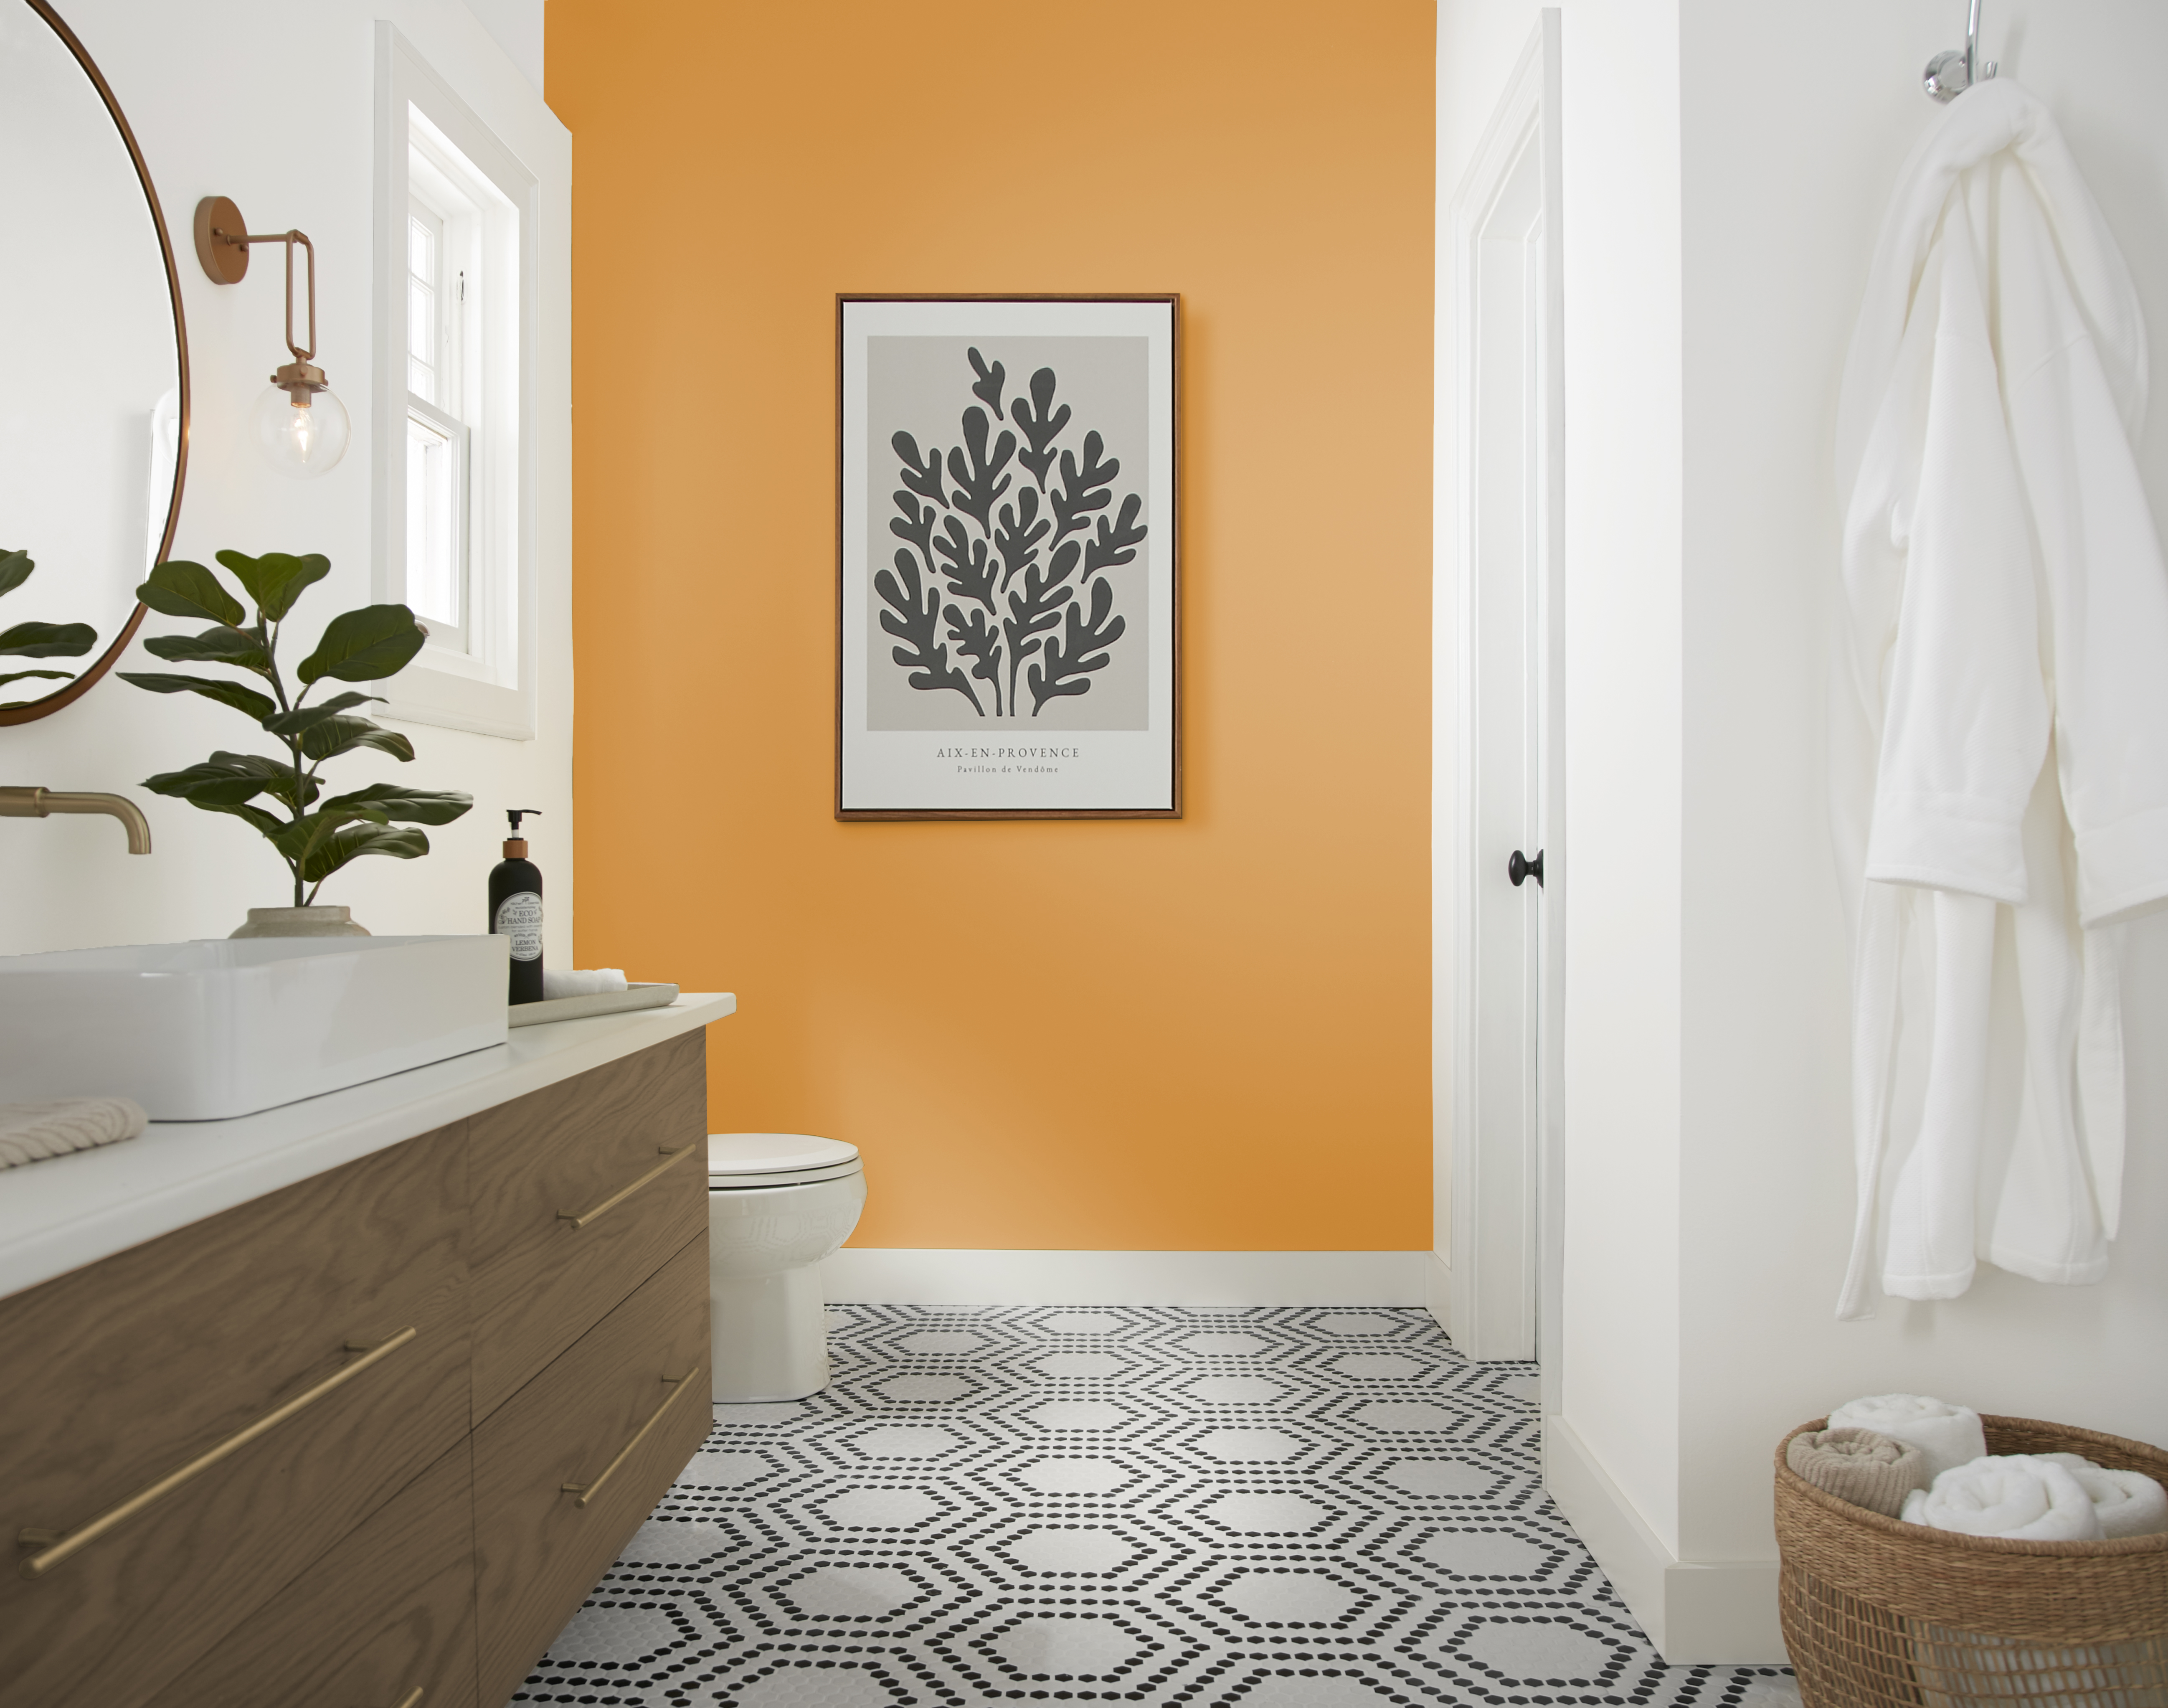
{"x":1727,"y":162}
{"x":1786,"y":178}
{"x":207,"y":89}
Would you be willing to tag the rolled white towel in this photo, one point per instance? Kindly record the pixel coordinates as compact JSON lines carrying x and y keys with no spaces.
{"x":1949,"y":1435}
{"x":2127,"y":1503}
{"x":2017,"y":1496}
{"x":581,"y":984}
{"x":30,"y":1132}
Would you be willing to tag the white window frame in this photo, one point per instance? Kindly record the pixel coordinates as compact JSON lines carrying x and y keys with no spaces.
{"x":481,"y":677}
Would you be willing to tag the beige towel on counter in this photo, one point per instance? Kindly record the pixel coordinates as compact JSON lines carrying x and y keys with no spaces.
{"x":1867,"y":1469}
{"x":30,"y":1132}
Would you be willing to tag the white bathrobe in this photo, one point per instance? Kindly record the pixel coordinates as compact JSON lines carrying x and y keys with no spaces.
{"x":2006,"y":642}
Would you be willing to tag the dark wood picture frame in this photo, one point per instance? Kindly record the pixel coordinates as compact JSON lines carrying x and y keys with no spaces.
{"x":1170,"y":549}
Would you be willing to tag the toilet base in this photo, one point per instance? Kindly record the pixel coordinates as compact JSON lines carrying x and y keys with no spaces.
{"x":768,"y":1336}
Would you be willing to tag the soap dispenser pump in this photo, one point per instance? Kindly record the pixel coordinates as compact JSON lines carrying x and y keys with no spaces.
{"x":515,"y":909}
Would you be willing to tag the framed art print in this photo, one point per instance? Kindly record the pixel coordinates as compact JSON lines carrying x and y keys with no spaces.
{"x":1007,"y":627}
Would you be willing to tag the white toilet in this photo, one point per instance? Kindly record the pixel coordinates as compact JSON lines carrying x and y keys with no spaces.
{"x":777,"y":1203}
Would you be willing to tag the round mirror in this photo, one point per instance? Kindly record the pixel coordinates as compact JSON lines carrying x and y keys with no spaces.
{"x":94,"y":370}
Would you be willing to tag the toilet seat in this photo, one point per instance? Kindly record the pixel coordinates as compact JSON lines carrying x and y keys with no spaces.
{"x":754,"y":1162}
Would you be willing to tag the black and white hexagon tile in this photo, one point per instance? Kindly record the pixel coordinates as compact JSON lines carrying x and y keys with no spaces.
{"x":1309,"y":1508}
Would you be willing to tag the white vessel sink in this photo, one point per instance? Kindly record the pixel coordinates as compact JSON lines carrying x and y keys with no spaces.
{"x":205,"y":1031}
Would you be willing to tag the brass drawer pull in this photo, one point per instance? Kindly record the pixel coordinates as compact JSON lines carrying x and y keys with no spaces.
{"x":54,"y":1546}
{"x":587,"y":1491}
{"x":411,"y":1698}
{"x":670,"y":1160}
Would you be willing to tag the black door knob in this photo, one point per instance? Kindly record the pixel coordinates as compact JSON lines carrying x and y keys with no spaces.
{"x":1519,"y":869}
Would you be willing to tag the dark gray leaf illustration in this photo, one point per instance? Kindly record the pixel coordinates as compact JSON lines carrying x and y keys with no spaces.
{"x":1080,"y":648}
{"x":978,"y":639}
{"x":1114,"y":546}
{"x":1082,"y":490}
{"x":969,"y":569}
{"x":914,"y":618}
{"x":1036,"y":609}
{"x":978,"y":485}
{"x":988,"y":390}
{"x":1009,"y":571}
{"x":922,"y":478}
{"x":1018,"y":536}
{"x":916,"y":525}
{"x":1040,"y":427}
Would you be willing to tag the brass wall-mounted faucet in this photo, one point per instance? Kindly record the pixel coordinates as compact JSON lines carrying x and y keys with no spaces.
{"x":40,"y":803}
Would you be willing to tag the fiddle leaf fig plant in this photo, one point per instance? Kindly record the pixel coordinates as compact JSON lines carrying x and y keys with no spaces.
{"x":37,"y":640}
{"x":315,"y":836}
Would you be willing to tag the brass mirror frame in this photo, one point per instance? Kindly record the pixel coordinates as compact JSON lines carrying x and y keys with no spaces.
{"x":68,"y":693}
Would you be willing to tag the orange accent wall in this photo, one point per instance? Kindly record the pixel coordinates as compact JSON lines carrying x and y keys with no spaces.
{"x":1205,"y":1034}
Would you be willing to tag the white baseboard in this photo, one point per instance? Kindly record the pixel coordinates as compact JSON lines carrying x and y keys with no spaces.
{"x":1718,"y":1615}
{"x":1437,"y":1291}
{"x":863,"y":1275}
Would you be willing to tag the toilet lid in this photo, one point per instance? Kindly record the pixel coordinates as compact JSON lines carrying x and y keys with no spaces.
{"x":734,"y":1157}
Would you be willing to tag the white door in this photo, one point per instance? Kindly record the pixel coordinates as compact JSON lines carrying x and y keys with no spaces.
{"x":1507,"y":858}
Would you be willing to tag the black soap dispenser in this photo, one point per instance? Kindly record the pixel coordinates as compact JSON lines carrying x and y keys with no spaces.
{"x":515,"y":909}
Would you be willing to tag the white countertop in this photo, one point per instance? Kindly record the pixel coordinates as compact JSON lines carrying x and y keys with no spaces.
{"x":66,"y":1211}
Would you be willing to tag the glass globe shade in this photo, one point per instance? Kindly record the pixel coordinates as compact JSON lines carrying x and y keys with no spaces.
{"x":301,"y":442}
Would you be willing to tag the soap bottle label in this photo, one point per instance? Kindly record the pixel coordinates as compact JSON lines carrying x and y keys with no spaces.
{"x":520,"y":917}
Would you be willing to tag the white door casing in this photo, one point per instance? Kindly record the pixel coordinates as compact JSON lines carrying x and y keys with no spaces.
{"x":1505,"y":565}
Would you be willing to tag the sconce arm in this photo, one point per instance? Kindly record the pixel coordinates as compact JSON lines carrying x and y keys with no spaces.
{"x":241,"y":240}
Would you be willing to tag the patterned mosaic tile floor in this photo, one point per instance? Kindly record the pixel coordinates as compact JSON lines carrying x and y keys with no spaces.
{"x":1278,"y":1509}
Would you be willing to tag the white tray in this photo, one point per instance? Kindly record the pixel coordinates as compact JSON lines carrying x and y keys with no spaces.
{"x":633,"y":996}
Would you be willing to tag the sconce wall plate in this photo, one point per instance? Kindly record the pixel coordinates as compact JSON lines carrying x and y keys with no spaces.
{"x":225,"y":261}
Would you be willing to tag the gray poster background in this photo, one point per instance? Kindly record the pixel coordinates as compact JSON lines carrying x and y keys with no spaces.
{"x":922,"y":386}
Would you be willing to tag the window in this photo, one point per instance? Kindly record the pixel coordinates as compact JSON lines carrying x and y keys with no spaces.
{"x":456,"y":262}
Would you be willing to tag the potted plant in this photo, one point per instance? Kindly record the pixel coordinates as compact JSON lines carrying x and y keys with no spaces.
{"x":314,"y":836}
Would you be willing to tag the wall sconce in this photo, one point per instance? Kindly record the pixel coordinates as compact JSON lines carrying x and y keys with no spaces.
{"x":302,"y":427}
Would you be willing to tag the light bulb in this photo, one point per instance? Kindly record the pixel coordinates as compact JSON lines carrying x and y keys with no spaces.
{"x":303,"y":432}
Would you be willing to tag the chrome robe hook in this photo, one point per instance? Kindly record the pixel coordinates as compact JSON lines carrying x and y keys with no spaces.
{"x":1949,"y":75}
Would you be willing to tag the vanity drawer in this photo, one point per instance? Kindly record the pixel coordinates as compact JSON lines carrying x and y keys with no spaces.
{"x":601,"y":1417}
{"x":388,"y":1610}
{"x":577,"y":1201}
{"x":198,"y":1390}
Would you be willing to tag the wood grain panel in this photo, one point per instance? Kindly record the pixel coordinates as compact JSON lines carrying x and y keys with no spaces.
{"x":537,"y":1552}
{"x":121,"y":1372}
{"x":390,"y":1608}
{"x":540,"y":1283}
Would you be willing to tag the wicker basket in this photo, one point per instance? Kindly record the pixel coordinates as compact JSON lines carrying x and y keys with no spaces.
{"x":1879,"y":1614}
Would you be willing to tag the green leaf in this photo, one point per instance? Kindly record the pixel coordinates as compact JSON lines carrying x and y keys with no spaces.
{"x":365,"y":646}
{"x":259,"y":706}
{"x":15,"y":567}
{"x":342,"y":735}
{"x":275,"y":580}
{"x":386,"y":803}
{"x":255,"y":815}
{"x":355,"y":840}
{"x":238,"y":647}
{"x":292,"y":723}
{"x":180,"y":589}
{"x":19,"y":675}
{"x":226,"y":779}
{"x":48,"y":639}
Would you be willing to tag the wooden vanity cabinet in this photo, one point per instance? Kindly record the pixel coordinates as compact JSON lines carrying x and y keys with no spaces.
{"x":441,"y":1348}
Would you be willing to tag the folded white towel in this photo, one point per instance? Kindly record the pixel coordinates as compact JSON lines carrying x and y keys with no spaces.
{"x":581,"y":984}
{"x":1949,"y":1435}
{"x":30,"y":1132}
{"x":2017,"y":1497}
{"x":2127,"y":1503}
